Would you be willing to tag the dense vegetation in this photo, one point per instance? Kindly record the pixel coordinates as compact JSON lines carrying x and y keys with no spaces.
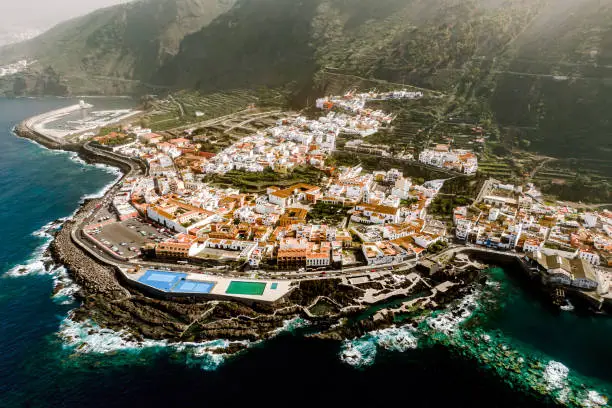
{"x":444,"y":205}
{"x":327,"y":213}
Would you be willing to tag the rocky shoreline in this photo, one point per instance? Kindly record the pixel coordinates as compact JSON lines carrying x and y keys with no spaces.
{"x":109,"y":304}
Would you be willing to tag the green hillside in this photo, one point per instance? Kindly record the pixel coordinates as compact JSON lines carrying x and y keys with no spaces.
{"x":109,"y":47}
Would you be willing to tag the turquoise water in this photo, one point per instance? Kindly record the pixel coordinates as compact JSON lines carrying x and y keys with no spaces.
{"x":89,"y":367}
{"x":510,"y":331}
{"x":579,"y":340}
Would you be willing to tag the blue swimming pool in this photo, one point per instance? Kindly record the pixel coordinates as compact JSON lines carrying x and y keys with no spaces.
{"x":193,"y":287}
{"x":161,"y":279}
{"x":175,"y":282}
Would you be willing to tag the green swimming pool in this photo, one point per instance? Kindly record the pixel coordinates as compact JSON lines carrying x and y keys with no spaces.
{"x":246,"y":288}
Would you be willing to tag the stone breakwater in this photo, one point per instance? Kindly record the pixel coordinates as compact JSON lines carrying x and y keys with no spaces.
{"x":24,"y":131}
{"x":92,"y":276}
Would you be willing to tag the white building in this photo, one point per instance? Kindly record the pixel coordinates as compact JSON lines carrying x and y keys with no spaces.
{"x":590,"y":257}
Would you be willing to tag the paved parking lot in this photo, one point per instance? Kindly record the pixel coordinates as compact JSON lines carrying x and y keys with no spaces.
{"x":103,"y":214}
{"x":125,"y":238}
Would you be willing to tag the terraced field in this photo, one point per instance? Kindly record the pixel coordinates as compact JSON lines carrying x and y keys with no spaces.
{"x":577,"y":180}
{"x":554,"y":176}
{"x":412,"y":126}
{"x":493,"y":167}
{"x":561,"y":171}
{"x":180,"y":109}
{"x":216,"y":104}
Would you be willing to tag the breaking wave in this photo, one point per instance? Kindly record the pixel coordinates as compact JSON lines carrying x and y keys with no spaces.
{"x":291,"y":325}
{"x":449,"y":321}
{"x":64,"y":287}
{"x":361,"y":352}
{"x":358,"y":353}
{"x":115,"y":171}
{"x":40,"y":261}
{"x":88,"y":338}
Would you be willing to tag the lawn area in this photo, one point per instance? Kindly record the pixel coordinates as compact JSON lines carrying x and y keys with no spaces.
{"x":246,"y":288}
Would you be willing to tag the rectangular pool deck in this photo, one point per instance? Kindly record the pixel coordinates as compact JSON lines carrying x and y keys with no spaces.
{"x":217,"y":287}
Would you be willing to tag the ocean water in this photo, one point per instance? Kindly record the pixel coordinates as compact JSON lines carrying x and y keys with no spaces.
{"x":500,"y":347}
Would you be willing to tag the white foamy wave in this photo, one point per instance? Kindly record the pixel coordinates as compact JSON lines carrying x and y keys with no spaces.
{"x":103,"y":166}
{"x":594,"y":400}
{"x":87,"y":337}
{"x":362,"y":352}
{"x":399,"y":339}
{"x":65,"y":295}
{"x":358,"y":353}
{"x":448,"y":322}
{"x":493,"y":284}
{"x":102,"y":191}
{"x":207,"y":361}
{"x":75,"y":158}
{"x":46,"y":230}
{"x":108,"y":168}
{"x":556,"y":380}
{"x":291,"y":325}
{"x":208,"y":355}
{"x":35,"y":265}
{"x":555,"y":375}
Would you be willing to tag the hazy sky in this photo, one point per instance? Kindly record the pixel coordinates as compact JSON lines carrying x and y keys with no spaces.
{"x":43,"y":14}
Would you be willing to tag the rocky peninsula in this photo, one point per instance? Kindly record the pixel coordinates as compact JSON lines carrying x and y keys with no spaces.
{"x":338,"y":307}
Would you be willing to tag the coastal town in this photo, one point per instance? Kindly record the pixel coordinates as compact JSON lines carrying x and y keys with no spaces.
{"x":213,"y":234}
{"x":344,"y":221}
{"x":14,"y":68}
{"x":176,"y":214}
{"x":213,"y":201}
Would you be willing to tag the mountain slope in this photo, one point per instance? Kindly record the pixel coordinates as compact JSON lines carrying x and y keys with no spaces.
{"x":554,"y":87}
{"x":417,"y":41}
{"x":535,"y":73}
{"x":128,"y":41}
{"x":258,"y":42}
